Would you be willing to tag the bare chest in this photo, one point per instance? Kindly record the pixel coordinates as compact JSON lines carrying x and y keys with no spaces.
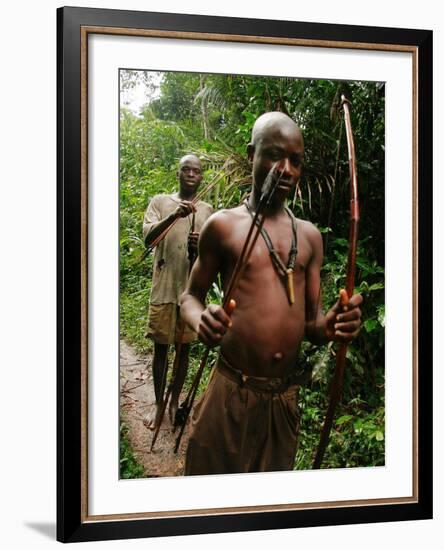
{"x":283,"y":246}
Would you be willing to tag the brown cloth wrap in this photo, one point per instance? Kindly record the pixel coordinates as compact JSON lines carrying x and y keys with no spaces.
{"x":244,"y":424}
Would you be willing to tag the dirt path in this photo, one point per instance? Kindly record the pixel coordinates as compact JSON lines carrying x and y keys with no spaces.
{"x":136,"y":400}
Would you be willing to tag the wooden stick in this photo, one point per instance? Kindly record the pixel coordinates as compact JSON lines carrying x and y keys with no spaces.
{"x":170,"y":387}
{"x":192,"y":258}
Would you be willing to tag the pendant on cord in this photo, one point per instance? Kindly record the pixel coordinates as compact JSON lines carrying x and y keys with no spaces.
{"x":290,"y":287}
{"x":285,"y":271}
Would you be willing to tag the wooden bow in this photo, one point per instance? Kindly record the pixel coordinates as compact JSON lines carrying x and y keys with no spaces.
{"x":338,"y":378}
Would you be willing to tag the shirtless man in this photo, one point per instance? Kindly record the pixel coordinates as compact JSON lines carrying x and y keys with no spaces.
{"x":170,"y":273}
{"x":248,"y":418}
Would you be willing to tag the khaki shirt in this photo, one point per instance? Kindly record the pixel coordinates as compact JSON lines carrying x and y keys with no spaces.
{"x":171,"y":264}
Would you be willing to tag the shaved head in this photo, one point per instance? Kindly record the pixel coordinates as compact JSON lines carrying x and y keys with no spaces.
{"x":190,"y":175}
{"x":269,"y":123}
{"x":187,"y":158}
{"x":276,"y":141}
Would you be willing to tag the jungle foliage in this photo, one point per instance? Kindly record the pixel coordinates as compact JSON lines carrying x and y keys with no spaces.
{"x":212,"y":116}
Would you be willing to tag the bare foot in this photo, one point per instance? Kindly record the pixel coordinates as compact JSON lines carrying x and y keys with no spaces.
{"x":153,"y":417}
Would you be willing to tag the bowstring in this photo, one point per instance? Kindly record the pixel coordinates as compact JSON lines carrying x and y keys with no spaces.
{"x":326,"y":241}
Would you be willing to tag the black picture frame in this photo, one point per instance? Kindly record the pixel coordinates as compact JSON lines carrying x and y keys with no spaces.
{"x":73,"y":523}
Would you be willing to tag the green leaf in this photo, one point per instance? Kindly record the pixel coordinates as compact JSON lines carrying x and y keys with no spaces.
{"x":376,"y":286}
{"x":381,"y":315}
{"x":341,"y":242}
{"x":343,"y":419}
{"x":370,"y":325}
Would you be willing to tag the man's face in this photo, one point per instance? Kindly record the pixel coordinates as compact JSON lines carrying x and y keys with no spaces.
{"x":190,"y":175}
{"x":281,"y":145}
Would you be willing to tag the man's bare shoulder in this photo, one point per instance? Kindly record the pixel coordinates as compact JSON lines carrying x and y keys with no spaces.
{"x":223,"y":220}
{"x":308,"y":228}
{"x":311,"y":233}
